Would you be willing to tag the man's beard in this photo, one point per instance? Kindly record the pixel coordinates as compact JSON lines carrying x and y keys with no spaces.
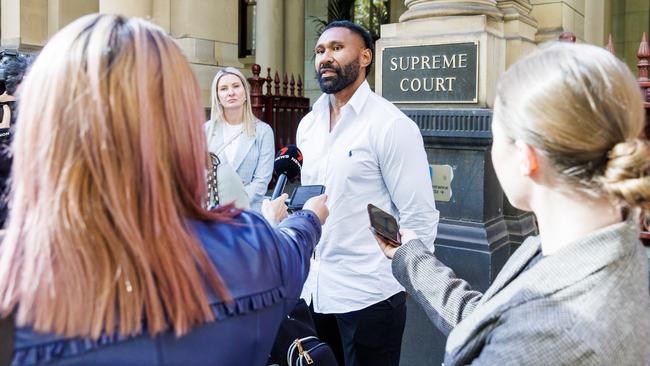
{"x":344,"y":77}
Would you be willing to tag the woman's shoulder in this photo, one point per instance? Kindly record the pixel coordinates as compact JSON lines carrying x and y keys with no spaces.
{"x":207,"y":124}
{"x":261,"y":126}
{"x":244,"y":223}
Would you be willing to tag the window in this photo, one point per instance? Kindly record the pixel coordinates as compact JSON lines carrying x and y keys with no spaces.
{"x":247,"y":10}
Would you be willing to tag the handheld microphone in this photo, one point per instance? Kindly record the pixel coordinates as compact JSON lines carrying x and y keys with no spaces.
{"x":288,"y":163}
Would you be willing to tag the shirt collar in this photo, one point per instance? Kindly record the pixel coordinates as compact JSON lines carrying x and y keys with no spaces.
{"x":357,"y":101}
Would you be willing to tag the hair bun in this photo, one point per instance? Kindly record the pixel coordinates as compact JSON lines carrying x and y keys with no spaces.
{"x":627,"y":174}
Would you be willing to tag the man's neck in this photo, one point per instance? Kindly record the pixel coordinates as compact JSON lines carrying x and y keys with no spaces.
{"x":340,"y":99}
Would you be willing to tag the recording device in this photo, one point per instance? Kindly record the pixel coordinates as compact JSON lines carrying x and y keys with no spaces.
{"x":384,"y":224}
{"x":5,"y":55}
{"x":13,"y":66}
{"x":301,"y":194}
{"x":287,"y":165}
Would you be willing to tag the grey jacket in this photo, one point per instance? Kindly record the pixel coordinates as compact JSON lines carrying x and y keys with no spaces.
{"x":253,"y":160}
{"x":230,"y":187}
{"x":587,"y":304}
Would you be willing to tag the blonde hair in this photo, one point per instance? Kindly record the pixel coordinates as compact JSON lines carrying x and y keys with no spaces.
{"x":581,"y":107}
{"x":216,"y":112}
{"x":109,"y":167}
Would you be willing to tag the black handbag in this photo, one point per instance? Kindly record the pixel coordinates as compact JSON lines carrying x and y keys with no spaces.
{"x":297,"y":344}
{"x":310,"y":351}
{"x":6,"y":340}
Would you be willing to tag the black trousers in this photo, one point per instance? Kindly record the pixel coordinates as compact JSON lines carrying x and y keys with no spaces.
{"x":368,"y":337}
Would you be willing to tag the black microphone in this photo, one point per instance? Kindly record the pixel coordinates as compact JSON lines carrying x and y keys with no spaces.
{"x":288,"y":163}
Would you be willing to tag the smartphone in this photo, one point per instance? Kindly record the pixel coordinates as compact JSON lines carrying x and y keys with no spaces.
{"x":384,"y":224}
{"x":301,"y":194}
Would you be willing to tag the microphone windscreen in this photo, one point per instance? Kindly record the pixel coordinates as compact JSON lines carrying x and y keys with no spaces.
{"x":288,"y":161}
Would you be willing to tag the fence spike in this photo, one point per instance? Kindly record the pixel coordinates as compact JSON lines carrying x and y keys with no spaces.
{"x":268,"y":81}
{"x":292,"y":86}
{"x":299,"y":86}
{"x":285,"y":81}
{"x":610,"y":45}
{"x":277,"y":84}
{"x":643,"y":55}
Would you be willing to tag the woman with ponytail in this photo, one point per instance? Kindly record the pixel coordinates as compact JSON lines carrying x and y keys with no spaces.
{"x":566,"y":146}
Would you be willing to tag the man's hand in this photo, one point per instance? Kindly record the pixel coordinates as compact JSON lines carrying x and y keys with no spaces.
{"x":388,"y":249}
{"x":318,"y":206}
{"x":276,"y":210}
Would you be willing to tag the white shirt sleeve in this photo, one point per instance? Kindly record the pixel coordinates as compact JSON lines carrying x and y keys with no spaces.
{"x":405,"y":170}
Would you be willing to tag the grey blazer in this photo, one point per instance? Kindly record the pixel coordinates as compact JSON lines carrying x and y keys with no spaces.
{"x":587,"y":304}
{"x":253,"y":160}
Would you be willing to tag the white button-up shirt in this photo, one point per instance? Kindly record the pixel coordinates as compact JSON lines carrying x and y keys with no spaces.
{"x":374,"y":154}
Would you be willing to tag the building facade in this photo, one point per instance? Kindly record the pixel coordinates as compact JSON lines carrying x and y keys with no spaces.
{"x":280,"y":34}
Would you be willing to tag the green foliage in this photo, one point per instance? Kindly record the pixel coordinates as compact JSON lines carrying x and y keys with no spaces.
{"x":370,"y":14}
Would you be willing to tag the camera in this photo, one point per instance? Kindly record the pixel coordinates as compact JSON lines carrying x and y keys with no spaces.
{"x":13,"y":65}
{"x":5,"y":55}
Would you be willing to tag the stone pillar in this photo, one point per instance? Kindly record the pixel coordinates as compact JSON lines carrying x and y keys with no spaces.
{"x":557,"y":16}
{"x":294,"y":45}
{"x":397,"y":8}
{"x":162,"y":14}
{"x":24,"y":24}
{"x":207,"y":32}
{"x":316,"y":8}
{"x":519,"y":28}
{"x":63,"y":12}
{"x":424,"y":9}
{"x":595,"y":22}
{"x":269,"y":20}
{"x":129,"y":8}
{"x":629,"y":19}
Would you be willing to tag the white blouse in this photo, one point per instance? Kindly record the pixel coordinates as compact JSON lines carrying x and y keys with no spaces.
{"x":229,"y":132}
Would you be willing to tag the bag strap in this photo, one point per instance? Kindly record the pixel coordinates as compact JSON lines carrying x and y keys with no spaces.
{"x":213,"y":186}
{"x":228,"y":142}
{"x":6,"y":340}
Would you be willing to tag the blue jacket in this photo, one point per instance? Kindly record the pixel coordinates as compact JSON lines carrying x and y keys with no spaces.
{"x":264,"y":270}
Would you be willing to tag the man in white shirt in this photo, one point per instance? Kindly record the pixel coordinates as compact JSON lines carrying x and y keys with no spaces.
{"x":363,"y":150}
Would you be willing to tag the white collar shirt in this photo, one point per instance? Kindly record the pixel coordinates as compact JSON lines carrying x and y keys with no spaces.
{"x":374,"y":154}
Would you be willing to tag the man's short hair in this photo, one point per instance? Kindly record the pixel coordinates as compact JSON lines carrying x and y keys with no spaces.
{"x":359,"y":30}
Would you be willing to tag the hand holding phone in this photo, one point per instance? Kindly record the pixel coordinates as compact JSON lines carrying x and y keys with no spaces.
{"x":318,"y":206}
{"x":301,"y":194}
{"x":384,"y":225}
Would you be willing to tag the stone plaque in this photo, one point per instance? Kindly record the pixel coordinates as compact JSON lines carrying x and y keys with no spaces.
{"x":441,"y":177}
{"x":443,"y":73}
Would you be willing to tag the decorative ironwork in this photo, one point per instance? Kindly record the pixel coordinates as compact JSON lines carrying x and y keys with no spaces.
{"x":282,"y":108}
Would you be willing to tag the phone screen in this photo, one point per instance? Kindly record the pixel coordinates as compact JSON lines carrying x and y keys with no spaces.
{"x":384,"y":224}
{"x":301,"y":194}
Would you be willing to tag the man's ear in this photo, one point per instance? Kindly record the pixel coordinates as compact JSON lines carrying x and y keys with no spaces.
{"x":527,"y":157}
{"x":366,"y":57}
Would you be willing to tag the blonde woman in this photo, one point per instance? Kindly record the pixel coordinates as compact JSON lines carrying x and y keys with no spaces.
{"x":109,"y":257}
{"x":565,"y":146}
{"x":237,"y":137}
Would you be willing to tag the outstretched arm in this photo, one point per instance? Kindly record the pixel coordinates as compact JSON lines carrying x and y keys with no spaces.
{"x":445,"y":298}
